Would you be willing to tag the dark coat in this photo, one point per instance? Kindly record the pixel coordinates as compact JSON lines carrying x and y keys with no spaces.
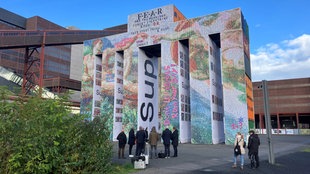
{"x":253,"y":143}
{"x":131,"y":137}
{"x":122,"y":139}
{"x":175,"y":137}
{"x":146,"y":135}
{"x":166,"y":136}
{"x":141,"y":138}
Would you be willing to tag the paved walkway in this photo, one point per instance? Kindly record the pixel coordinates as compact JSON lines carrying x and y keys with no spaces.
{"x":292,"y":154}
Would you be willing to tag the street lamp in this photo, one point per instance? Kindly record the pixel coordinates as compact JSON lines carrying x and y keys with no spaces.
{"x":267,"y":121}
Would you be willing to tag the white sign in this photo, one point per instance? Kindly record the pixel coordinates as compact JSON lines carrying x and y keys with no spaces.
{"x":147,"y":91}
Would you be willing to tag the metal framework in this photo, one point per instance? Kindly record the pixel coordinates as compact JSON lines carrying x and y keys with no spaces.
{"x":31,"y":40}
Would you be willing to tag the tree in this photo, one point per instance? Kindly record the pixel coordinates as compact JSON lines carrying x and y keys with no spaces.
{"x":41,"y":136}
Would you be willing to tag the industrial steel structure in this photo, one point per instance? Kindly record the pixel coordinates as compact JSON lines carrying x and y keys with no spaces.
{"x":39,"y":51}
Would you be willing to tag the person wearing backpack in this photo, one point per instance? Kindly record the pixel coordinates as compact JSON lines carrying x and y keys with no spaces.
{"x":239,"y":150}
{"x":253,"y":145}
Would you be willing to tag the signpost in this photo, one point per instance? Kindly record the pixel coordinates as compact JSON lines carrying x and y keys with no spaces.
{"x":267,"y":121}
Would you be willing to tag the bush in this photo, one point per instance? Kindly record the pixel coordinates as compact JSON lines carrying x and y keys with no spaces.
{"x":41,"y":136}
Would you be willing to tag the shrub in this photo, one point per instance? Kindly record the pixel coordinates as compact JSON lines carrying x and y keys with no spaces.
{"x":42,"y":136}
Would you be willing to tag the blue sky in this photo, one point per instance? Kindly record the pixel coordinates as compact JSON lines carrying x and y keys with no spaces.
{"x":279,"y":29}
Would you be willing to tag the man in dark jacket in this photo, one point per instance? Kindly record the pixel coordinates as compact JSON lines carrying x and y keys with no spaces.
{"x":146,"y":140}
{"x":253,"y":145}
{"x":166,"y":136}
{"x":175,"y":141}
{"x":122,"y":140}
{"x":131,"y":141}
{"x":140,"y":141}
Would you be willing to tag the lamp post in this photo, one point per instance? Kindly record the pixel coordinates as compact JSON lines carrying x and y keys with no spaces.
{"x":267,"y":121}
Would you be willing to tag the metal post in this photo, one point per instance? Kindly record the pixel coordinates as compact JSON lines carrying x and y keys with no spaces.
{"x":41,"y":75}
{"x":26,"y":59}
{"x":267,"y":121}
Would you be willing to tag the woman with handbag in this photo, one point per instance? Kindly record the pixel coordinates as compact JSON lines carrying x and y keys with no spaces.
{"x":239,"y":150}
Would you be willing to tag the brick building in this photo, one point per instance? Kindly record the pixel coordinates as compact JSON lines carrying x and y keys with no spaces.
{"x":289,"y":104}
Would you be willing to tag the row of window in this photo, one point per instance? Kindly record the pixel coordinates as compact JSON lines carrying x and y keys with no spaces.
{"x":216,"y":100}
{"x":218,"y":116}
{"x":185,"y":116}
{"x":98,"y":68}
{"x":184,"y":65}
{"x":118,"y":110}
{"x":57,"y":67}
{"x":119,"y":101}
{"x":185,"y":99}
{"x":120,"y":64}
{"x":98,"y":74}
{"x":185,"y":108}
{"x":118,"y":119}
{"x":97,"y":103}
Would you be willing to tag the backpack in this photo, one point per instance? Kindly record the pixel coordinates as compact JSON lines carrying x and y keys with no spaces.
{"x":237,"y":149}
{"x":161,"y":155}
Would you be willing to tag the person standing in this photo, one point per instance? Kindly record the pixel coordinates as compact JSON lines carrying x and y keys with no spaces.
{"x":239,"y":150}
{"x":253,"y":144}
{"x":144,"y":151}
{"x":175,"y":141}
{"x":140,"y":141}
{"x":166,"y":136}
{"x":153,"y":139}
{"x":122,"y":140}
{"x":131,"y":141}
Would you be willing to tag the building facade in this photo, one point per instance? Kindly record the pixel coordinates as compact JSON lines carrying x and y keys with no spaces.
{"x":167,"y":70}
{"x":57,"y":58}
{"x":289,"y":106}
{"x":62,"y":64}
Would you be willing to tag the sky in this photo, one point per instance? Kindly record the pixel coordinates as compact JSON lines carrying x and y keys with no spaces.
{"x":279,"y":29}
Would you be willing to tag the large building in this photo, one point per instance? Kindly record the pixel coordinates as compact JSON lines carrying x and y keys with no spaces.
{"x":57,"y":57}
{"x":167,"y":70}
{"x":289,"y":106}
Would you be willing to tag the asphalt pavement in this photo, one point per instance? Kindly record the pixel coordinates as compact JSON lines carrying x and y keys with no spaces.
{"x":291,"y":152}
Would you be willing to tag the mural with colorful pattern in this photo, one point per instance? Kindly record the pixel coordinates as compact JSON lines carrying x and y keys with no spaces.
{"x":157,"y":26}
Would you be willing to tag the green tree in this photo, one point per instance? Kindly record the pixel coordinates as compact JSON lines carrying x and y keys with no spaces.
{"x":42,"y":136}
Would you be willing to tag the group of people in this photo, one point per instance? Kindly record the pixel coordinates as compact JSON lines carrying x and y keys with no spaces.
{"x":142,"y":137}
{"x":139,"y":139}
{"x":172,"y":137}
{"x":240,"y":146}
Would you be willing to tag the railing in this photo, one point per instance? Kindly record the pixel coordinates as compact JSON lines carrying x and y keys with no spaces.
{"x":10,"y":76}
{"x":25,"y":38}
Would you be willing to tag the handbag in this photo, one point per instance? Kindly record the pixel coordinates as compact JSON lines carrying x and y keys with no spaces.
{"x":237,"y":149}
{"x":161,"y":155}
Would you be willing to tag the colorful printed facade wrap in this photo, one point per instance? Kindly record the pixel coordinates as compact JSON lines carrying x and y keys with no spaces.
{"x":167,"y":70}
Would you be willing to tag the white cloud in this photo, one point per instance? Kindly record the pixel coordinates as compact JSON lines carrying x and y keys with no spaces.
{"x":285,"y":60}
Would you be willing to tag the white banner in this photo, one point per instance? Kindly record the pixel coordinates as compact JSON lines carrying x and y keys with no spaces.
{"x":118,"y":95}
{"x":217,"y":111}
{"x":97,"y":88}
{"x":184,"y":98}
{"x":147,"y":91}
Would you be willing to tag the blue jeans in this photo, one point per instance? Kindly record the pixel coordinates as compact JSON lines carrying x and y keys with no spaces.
{"x":241,"y":159}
